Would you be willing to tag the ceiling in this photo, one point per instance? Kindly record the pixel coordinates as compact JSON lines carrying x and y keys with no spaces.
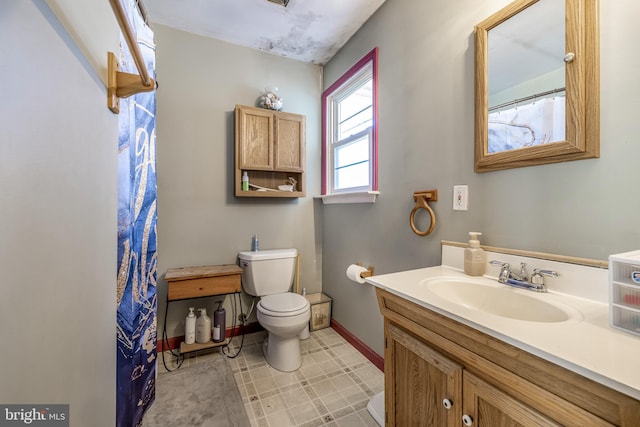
{"x":306,"y":30}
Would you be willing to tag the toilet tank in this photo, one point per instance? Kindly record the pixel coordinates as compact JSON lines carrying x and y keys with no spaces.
{"x":268,"y":271}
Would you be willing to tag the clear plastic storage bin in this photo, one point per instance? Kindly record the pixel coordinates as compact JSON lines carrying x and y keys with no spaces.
{"x":624,"y":299}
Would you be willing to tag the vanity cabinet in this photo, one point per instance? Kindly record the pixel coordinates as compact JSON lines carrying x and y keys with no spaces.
{"x":439,"y":372}
{"x":270,"y":148}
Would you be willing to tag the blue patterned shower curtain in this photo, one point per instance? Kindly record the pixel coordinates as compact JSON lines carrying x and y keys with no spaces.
{"x":137,"y":259}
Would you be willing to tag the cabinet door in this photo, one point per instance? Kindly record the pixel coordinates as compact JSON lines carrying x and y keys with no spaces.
{"x":418,"y":379}
{"x":487,"y":406}
{"x":491,"y":407}
{"x":290,"y":131}
{"x":254,"y":133}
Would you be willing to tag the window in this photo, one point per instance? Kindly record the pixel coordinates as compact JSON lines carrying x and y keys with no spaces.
{"x":349,"y":116}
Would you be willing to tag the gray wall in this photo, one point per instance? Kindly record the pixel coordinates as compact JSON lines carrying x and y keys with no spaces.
{"x":588,"y":208}
{"x":200,"y":222}
{"x":58,"y":211}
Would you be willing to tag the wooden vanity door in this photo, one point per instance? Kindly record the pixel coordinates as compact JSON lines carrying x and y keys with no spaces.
{"x":487,"y":406}
{"x":417,"y":381}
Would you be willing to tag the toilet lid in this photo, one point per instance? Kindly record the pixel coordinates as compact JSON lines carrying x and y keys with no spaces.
{"x":286,"y":302}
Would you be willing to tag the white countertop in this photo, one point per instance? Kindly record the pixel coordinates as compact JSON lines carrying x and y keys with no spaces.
{"x":586,"y":345}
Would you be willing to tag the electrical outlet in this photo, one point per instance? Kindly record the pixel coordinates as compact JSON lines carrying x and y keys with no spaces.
{"x":460,"y":197}
{"x":242,"y":317}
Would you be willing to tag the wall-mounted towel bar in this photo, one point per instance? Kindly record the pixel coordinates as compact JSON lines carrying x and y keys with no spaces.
{"x":119,"y":84}
{"x":421,"y":198}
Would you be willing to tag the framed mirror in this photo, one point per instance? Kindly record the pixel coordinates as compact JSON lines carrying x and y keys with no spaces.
{"x":537,"y":90}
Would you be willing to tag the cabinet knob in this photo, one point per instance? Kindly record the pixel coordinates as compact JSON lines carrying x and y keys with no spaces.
{"x":467,"y":420}
{"x":447,"y":403}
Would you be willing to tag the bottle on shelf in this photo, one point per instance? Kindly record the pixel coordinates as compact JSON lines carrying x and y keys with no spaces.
{"x":245,"y":181}
{"x":190,"y":327}
{"x":203,"y":327}
{"x":219,"y":319}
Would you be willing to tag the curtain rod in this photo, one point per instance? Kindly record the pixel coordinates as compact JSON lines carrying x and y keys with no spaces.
{"x":131,"y":41}
{"x":527,"y":98}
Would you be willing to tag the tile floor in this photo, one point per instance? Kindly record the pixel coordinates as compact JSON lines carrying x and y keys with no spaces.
{"x":332,"y":388}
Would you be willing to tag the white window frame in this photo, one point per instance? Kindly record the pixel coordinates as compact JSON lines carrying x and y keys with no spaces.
{"x":353,"y":79}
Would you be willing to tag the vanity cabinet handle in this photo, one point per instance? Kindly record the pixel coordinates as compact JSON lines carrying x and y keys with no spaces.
{"x":467,"y":420}
{"x":447,"y":404}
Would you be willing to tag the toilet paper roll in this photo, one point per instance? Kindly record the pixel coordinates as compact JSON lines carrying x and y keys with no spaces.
{"x":353,"y":273}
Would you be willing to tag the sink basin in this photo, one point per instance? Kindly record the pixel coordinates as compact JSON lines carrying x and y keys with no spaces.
{"x":499,"y":300}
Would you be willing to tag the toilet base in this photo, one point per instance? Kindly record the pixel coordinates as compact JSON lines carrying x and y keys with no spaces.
{"x":282,"y":354}
{"x":305,"y":333}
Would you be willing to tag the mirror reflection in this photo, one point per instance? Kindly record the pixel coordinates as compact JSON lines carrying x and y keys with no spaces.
{"x":537,"y":84}
{"x":526,"y":103}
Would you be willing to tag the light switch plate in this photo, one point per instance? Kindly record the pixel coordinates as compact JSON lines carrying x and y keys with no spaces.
{"x":460,"y":197}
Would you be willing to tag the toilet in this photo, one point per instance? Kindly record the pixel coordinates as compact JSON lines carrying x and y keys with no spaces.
{"x":285,"y":315}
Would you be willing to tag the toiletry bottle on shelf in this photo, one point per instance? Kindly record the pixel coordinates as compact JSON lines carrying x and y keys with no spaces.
{"x":255,"y":244}
{"x":203,"y":327}
{"x":190,"y":327}
{"x":475,"y":259}
{"x":219,"y":319}
{"x":245,"y":181}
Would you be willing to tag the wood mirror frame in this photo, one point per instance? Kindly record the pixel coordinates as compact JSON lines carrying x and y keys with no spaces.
{"x":582,"y":80}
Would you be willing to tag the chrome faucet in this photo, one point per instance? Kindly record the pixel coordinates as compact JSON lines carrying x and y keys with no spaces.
{"x":521,"y":279}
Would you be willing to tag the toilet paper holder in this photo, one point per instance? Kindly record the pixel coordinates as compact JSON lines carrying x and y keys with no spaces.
{"x":367,"y":273}
{"x":421,"y":198}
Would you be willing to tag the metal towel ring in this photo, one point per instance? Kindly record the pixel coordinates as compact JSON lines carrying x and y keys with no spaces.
{"x":421,"y":198}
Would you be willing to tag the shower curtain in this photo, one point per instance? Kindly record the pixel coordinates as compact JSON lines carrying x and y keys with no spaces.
{"x":137,"y":259}
{"x":536,"y":123}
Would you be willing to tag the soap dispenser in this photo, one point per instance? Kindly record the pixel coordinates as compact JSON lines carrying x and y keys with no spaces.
{"x":219,"y":318}
{"x":475,"y":259}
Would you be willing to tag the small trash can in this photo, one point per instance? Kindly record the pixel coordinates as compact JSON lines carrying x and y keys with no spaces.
{"x":320,"y":311}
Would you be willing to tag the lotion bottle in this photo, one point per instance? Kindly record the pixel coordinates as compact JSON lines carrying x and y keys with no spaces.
{"x":203,"y":327}
{"x":245,"y":181}
{"x":190,"y":327}
{"x":219,"y":319}
{"x":475,"y":259}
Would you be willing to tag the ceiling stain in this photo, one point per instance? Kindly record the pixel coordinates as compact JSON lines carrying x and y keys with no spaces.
{"x":309,"y":30}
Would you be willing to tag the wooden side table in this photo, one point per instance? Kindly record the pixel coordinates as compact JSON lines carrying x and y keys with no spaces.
{"x":199,"y":282}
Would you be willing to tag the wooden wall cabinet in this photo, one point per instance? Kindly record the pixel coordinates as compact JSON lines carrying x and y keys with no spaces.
{"x":439,"y":372}
{"x":270,"y":147}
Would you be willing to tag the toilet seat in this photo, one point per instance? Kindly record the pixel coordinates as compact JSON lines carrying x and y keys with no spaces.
{"x":286,"y":304}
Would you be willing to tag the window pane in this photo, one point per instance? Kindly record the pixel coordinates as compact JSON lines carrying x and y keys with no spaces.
{"x":352,"y":176}
{"x":355,"y":111}
{"x":351,"y":164}
{"x":354,"y":152}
